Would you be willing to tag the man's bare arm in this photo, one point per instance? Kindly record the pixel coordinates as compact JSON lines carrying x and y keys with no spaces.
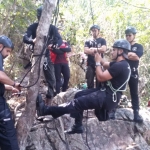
{"x":9,"y":83}
{"x":5,"y":79}
{"x":100,"y":74}
{"x":88,"y":51}
{"x":133,"y":56}
{"x":102,"y":49}
{"x":8,"y":87}
{"x":106,"y":65}
{"x":93,"y":50}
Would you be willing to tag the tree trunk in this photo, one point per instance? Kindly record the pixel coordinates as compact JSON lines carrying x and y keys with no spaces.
{"x":26,"y":120}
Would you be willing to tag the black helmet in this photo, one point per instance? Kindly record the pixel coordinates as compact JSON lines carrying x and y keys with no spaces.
{"x":123,"y":44}
{"x":130,"y":29}
{"x":39,"y":11}
{"x":6,"y":41}
{"x":95,"y":27}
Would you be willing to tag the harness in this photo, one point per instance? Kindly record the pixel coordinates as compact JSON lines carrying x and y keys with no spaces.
{"x":53,"y":40}
{"x":45,"y":65}
{"x":114,"y":95}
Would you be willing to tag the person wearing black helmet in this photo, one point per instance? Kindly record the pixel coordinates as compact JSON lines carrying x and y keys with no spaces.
{"x":54,"y":39}
{"x":8,"y":138}
{"x":90,"y":46}
{"x":117,"y":74}
{"x":133,"y":60}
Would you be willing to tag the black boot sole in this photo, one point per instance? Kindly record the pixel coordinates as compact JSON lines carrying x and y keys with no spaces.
{"x":138,"y":121}
{"x":73,"y":132}
{"x":40,"y":106}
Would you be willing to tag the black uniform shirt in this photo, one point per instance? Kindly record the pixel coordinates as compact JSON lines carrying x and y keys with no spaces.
{"x":119,"y":71}
{"x":53,"y":35}
{"x":138,"y":49}
{"x":94,"y":43}
{"x":30,"y":34}
{"x":2,"y":88}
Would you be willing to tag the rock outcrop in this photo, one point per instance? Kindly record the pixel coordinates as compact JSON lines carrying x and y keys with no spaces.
{"x":119,"y":134}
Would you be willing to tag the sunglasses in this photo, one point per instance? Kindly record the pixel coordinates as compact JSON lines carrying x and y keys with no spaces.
{"x":128,"y":35}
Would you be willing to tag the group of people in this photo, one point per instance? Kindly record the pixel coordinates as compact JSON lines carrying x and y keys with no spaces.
{"x":136,"y":51}
{"x":111,"y":79}
{"x":56,"y":62}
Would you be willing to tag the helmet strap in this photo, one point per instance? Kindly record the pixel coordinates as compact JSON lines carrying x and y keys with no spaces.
{"x":2,"y":49}
{"x":118,"y":55}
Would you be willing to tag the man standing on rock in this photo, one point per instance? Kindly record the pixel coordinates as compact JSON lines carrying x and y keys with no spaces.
{"x":133,"y":60}
{"x":117,"y":74}
{"x":54,"y":39}
{"x":8,"y":138}
{"x":96,"y":43}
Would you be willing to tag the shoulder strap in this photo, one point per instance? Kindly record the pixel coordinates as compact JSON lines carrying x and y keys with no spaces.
{"x":118,"y":90}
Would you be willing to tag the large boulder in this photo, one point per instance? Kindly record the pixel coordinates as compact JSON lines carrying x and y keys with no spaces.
{"x":119,"y":134}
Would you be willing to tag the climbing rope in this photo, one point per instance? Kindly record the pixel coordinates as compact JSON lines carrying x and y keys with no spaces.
{"x":114,"y":96}
{"x":92,"y":15}
{"x":38,"y":59}
{"x":43,"y":51}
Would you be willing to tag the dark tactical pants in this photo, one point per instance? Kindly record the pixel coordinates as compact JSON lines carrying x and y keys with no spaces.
{"x":90,"y":99}
{"x":90,"y":76}
{"x":133,"y":85}
{"x":49,"y":73}
{"x":64,"y":69}
{"x":79,"y":115}
{"x":100,"y":112}
{"x":8,"y":138}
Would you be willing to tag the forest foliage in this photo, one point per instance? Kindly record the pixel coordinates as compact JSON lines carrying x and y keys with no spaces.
{"x":76,"y":17}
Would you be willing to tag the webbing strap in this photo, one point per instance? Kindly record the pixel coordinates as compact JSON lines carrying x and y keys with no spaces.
{"x":114,"y":96}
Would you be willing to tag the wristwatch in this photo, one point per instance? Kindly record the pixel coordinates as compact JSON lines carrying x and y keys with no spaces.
{"x":98,"y":64}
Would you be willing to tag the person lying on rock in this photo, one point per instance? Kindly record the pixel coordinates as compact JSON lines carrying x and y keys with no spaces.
{"x":116,"y":76}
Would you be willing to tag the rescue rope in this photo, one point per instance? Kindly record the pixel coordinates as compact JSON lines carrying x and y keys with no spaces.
{"x":42,"y":53}
{"x":38,"y":59}
{"x":87,"y":132}
{"x":114,"y":96}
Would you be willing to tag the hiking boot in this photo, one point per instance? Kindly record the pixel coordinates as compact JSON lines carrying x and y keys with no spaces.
{"x":111,"y":114}
{"x":75,"y":129}
{"x":137,"y":117}
{"x":40,"y":106}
